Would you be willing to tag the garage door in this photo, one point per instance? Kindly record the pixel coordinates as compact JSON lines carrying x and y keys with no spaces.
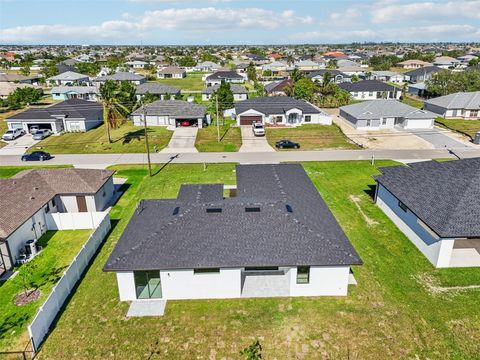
{"x":248,"y":120}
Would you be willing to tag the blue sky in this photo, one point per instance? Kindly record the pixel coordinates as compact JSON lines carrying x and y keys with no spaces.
{"x":161,"y":22}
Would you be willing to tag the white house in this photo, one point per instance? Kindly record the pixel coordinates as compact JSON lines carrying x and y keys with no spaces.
{"x":279,"y":110}
{"x":136,"y":64}
{"x":371,"y":90}
{"x":69,"y":78}
{"x":171,"y":72}
{"x":461,"y":105}
{"x":32,"y":199}
{"x":442,"y":222}
{"x":224,"y":75}
{"x":199,"y":245}
{"x":89,"y":93}
{"x":207,"y":66}
{"x":386,"y":113}
{"x":239,"y":92}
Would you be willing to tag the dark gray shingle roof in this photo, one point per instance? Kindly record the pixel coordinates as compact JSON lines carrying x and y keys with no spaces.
{"x":443,"y":195}
{"x":156,"y":89}
{"x":181,"y":234}
{"x":71,"y":109}
{"x":275,"y":105}
{"x":219,"y":75}
{"x":175,"y":108}
{"x":236,"y":89}
{"x":367,"y":85}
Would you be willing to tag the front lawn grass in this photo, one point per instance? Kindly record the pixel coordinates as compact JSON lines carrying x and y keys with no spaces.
{"x":126,"y":139}
{"x":311,"y":137}
{"x":192,"y":82}
{"x":390,"y":314}
{"x":465,"y":127}
{"x":413,"y":102}
{"x":230,"y":138}
{"x":59,"y":249}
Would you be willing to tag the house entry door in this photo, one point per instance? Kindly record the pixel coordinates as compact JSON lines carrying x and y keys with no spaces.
{"x":81,"y":204}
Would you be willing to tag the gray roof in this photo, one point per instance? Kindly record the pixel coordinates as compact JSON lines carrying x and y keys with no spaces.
{"x":71,"y":109}
{"x":156,"y":89}
{"x":236,"y":89}
{"x":423,"y":71}
{"x":76,"y":89}
{"x":171,"y":70}
{"x":444,"y":195}
{"x":367,"y":85}
{"x":181,"y":234}
{"x":376,"y":109}
{"x":460,"y":100}
{"x":69,"y":75}
{"x":277,"y":85}
{"x":173,"y":108}
{"x":333,"y":72}
{"x":25,"y":193}
{"x":121,"y":76}
{"x":272,"y":105}
{"x":219,"y":75}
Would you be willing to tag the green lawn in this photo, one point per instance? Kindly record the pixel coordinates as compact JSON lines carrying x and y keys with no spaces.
{"x":230,"y":138}
{"x":59,"y":249}
{"x":389,"y":315}
{"x":311,"y":137}
{"x":126,"y":139}
{"x":465,"y":127}
{"x":412,"y":102}
{"x":191,"y":82}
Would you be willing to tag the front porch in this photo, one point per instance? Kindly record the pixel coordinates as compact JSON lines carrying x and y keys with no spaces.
{"x":465,"y":253}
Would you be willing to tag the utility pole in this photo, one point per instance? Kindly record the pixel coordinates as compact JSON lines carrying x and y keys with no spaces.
{"x":146,"y":140}
{"x":218,"y":124}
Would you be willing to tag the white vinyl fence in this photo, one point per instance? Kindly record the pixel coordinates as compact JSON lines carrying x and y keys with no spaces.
{"x":40,"y":325}
{"x":74,"y":221}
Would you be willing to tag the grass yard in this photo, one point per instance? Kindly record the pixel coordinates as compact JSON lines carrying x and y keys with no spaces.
{"x":192,"y":82}
{"x":230,"y":138}
{"x":311,"y":137}
{"x":413,"y":102}
{"x":126,"y":139}
{"x":465,"y":127}
{"x":59,"y":249}
{"x":390,"y":314}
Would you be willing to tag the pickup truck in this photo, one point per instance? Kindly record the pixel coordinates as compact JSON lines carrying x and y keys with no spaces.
{"x":258,"y":129}
{"x":12,"y":134}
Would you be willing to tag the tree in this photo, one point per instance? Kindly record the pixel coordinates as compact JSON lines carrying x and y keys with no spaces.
{"x":259,"y":89}
{"x":25,"y":70}
{"x":224,"y":96}
{"x":332,"y":64}
{"x":89,"y":68}
{"x":252,"y":72}
{"x":149,"y":98}
{"x":253,"y":351}
{"x":114,"y":111}
{"x":24,"y":96}
{"x":355,"y":78}
{"x":49,"y":70}
{"x":26,"y":272}
{"x":186,"y":61}
{"x":304,"y":89}
{"x":445,"y":82}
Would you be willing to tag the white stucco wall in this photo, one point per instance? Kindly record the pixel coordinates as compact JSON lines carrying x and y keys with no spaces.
{"x":438,"y":252}
{"x":324,"y":281}
{"x":69,"y":203}
{"x":104,"y":195}
{"x":419,"y":124}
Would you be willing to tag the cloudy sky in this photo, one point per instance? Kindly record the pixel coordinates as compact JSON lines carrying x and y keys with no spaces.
{"x":236,"y":22}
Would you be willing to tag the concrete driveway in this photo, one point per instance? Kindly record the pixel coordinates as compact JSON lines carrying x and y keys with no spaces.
{"x":182,"y":141}
{"x":252,"y":143}
{"x":18,"y":146}
{"x":439,"y":138}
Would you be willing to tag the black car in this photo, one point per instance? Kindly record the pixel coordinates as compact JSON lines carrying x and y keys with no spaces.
{"x":287,"y":144}
{"x":36,"y":156}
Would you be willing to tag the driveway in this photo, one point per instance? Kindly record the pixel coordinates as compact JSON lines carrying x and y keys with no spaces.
{"x":252,"y":143}
{"x":439,"y":138}
{"x":182,"y":141}
{"x":18,"y":146}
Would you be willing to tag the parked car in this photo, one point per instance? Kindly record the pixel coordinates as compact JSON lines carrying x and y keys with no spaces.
{"x":13,"y":134}
{"x":258,"y":129}
{"x":33,"y":129}
{"x":36,"y":156}
{"x":287,"y":144}
{"x":41,"y":134}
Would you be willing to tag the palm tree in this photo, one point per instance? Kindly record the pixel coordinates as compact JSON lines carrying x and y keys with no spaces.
{"x":114,"y":112}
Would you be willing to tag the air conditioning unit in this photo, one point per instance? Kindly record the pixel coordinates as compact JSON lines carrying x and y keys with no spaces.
{"x":31,"y":248}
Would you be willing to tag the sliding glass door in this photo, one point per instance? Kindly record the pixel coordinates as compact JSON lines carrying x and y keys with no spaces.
{"x":147,"y":284}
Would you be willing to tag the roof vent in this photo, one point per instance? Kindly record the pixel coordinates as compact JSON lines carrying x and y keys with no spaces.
{"x":213,"y":210}
{"x":32,"y":197}
{"x":35,"y":188}
{"x":176,"y":211}
{"x":252,"y":209}
{"x":289,"y":208}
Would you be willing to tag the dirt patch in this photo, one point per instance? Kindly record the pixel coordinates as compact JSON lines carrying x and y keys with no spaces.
{"x":431,"y":285}
{"x":356,"y":200}
{"x":27,"y":297}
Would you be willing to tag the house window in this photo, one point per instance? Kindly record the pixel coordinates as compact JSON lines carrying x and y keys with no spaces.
{"x":53,"y":202}
{"x":308,"y":118}
{"x":402,"y":206}
{"x":474,"y":113}
{"x":47,"y":209}
{"x":303,"y":274}
{"x":147,"y":284}
{"x":369,"y":123}
{"x":370,"y":94}
{"x":206,"y":271}
{"x":384,"y":121}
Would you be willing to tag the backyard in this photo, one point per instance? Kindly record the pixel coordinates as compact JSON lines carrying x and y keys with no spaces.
{"x":311,"y":137}
{"x":402,"y":307}
{"x":192,"y":82}
{"x":465,"y":127}
{"x":59,"y":249}
{"x":126,"y":139}
{"x":230,"y":138}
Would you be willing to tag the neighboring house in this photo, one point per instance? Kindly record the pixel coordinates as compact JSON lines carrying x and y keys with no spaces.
{"x":68,"y":78}
{"x":435,"y":204}
{"x":31,"y":196}
{"x":353,"y":70}
{"x":279,"y":110}
{"x":6,"y":88}
{"x":277,"y":88}
{"x":74,"y":92}
{"x":121,"y":76}
{"x":371,"y":90}
{"x":21,"y":79}
{"x":413,"y":64}
{"x":171,"y":72}
{"x":381,"y":114}
{"x":307,"y":65}
{"x":418,"y":89}
{"x":422,"y":74}
{"x":136,"y":64}
{"x":337,"y":76}
{"x":276,"y":67}
{"x":227,"y":76}
{"x":241,"y":68}
{"x":207,"y":66}
{"x":239,"y":92}
{"x":70,"y":115}
{"x":276,"y":238}
{"x":446,"y":62}
{"x":461,"y":105}
{"x":171,"y":112}
{"x":387,"y":76}
{"x":157,"y":89}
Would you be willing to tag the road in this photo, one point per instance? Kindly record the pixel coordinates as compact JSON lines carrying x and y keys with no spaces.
{"x":104,"y":160}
